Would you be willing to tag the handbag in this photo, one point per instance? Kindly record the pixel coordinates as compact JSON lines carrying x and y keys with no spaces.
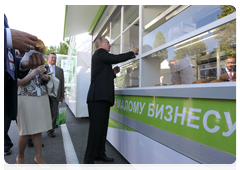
{"x":61,"y":116}
{"x":52,"y":85}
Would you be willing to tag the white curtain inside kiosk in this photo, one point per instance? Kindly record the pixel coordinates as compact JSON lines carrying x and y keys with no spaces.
{"x":76,"y":92}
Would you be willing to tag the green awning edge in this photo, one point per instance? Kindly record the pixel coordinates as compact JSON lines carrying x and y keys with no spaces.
{"x":66,"y":8}
{"x":99,"y":13}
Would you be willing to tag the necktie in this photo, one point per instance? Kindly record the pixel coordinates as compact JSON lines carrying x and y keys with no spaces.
{"x":230,"y":76}
{"x":9,"y":70}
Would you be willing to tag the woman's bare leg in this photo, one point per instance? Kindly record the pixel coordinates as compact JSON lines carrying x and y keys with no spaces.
{"x":22,"y":143}
{"x":37,"y":141}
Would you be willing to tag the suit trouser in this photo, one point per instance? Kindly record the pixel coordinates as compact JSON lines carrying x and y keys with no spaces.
{"x":54,"y":109}
{"x":98,"y":117}
{"x":7,"y":141}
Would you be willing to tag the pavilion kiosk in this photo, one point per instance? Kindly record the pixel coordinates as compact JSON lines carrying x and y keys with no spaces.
{"x":171,"y":105}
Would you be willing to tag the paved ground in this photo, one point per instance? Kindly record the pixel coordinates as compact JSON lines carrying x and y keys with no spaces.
{"x":53,"y":150}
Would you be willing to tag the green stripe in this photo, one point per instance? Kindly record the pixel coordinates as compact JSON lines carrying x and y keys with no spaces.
{"x":66,"y":8}
{"x":99,"y":13}
{"x":191,"y":118}
{"x":114,"y":124}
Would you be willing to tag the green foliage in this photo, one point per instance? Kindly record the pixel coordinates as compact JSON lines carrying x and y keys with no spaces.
{"x":62,"y":49}
{"x":197,"y":47}
{"x":227,"y":9}
{"x":227,"y":33}
{"x":160,"y":40}
{"x":51,"y":49}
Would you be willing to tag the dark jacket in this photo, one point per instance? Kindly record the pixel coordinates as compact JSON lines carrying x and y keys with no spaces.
{"x":102,"y":75}
{"x":10,"y":85}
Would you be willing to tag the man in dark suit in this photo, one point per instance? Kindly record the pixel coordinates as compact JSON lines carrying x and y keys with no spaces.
{"x":101,"y":97}
{"x":229,"y":72}
{"x":54,"y":101}
{"x":14,"y":39}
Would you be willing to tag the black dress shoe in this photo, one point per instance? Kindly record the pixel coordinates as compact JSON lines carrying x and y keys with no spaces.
{"x":7,"y":152}
{"x":51,"y":134}
{"x":104,"y":158}
{"x":89,"y":166}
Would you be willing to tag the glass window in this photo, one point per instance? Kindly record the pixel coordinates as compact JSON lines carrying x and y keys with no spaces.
{"x":128,"y":76}
{"x":178,"y":22}
{"x":131,"y":38}
{"x":116,"y":26}
{"x":130,"y":14}
{"x":106,"y":33}
{"x":115,"y":47}
{"x":208,"y":57}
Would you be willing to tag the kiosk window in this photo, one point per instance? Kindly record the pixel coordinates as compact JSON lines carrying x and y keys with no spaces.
{"x":131,"y":38}
{"x":165,"y":23}
{"x":128,"y":76}
{"x":116,"y":26}
{"x":208,"y":57}
{"x":130,"y":14}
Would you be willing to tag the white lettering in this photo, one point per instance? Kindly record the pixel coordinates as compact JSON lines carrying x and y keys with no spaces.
{"x":190,"y":117}
{"x":180,"y":115}
{"x":169,"y":113}
{"x":118,"y":103}
{"x":159,"y":111}
{"x":122,"y":105}
{"x":205,"y":117}
{"x":126,"y":104}
{"x":135,"y":107}
{"x":141,"y":107}
{"x":129,"y":106}
{"x":150,"y":110}
{"x":231,"y":127}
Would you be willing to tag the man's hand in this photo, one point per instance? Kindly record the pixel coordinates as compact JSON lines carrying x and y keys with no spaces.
{"x":45,"y":77}
{"x":116,"y":70}
{"x":35,"y":60}
{"x":135,"y":50}
{"x":23,"y":41}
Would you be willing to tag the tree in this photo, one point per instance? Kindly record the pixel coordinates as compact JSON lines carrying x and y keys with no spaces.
{"x":160,"y":40}
{"x":194,"y":47}
{"x":51,"y":49}
{"x":63,"y":49}
{"x":227,"y":32}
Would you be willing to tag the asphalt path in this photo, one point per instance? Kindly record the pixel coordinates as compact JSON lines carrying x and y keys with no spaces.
{"x":68,"y":147}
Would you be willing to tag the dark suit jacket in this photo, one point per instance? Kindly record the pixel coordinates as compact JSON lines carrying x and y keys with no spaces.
{"x":102,"y":75}
{"x":224,"y":75}
{"x":10,"y":85}
{"x":60,"y":75}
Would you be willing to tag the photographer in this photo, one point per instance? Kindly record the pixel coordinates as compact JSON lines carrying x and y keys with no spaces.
{"x":34,"y":115}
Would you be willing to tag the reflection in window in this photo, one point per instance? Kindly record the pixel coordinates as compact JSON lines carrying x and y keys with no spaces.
{"x":115,"y":49}
{"x":172,"y":25}
{"x":131,"y":39}
{"x":130,"y":14}
{"x":208,"y":57}
{"x":116,"y":25}
{"x":128,"y":75}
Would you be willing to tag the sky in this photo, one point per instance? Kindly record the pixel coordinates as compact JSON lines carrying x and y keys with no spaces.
{"x":40,"y":18}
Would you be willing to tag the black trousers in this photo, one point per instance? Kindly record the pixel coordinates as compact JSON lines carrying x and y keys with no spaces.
{"x":7,"y":141}
{"x":54,"y":109}
{"x":98,"y":117}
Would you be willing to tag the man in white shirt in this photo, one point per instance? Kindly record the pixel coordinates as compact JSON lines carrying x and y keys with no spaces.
{"x":54,"y":101}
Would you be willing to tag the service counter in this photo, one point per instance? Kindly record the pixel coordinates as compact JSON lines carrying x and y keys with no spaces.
{"x":179,"y":124}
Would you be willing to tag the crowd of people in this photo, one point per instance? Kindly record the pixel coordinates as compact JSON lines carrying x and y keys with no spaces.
{"x":26,"y":98}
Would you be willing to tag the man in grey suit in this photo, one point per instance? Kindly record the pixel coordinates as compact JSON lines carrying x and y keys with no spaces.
{"x":54,"y":101}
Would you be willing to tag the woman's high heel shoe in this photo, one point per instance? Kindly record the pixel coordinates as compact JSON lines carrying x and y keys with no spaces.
{"x":22,"y":167}
{"x":46,"y":166}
